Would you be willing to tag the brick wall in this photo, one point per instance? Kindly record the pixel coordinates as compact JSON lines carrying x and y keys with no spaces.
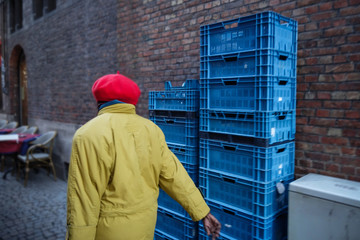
{"x":159,"y":41}
{"x":66,"y":51}
{"x":153,"y":41}
{"x":328,"y":126}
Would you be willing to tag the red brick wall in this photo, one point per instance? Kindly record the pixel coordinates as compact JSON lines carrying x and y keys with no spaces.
{"x":66,"y":51}
{"x":328,"y":126}
{"x":153,"y":41}
{"x":159,"y":41}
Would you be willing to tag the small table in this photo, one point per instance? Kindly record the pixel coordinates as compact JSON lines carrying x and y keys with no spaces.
{"x":6,"y":130}
{"x":15,"y":144}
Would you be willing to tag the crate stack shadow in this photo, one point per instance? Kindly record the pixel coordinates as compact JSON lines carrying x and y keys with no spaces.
{"x":247,"y":123}
{"x":176,"y":112}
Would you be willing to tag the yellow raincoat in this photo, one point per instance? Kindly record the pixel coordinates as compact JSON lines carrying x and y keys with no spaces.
{"x":118,"y":162}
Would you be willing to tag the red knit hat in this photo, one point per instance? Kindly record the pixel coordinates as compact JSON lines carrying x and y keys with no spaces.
{"x":116,"y":87}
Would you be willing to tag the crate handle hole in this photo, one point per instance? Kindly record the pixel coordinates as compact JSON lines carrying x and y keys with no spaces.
{"x":230,"y":115}
{"x":284,"y":22}
{"x":228,"y":212}
{"x":230,"y":59}
{"x":228,"y":180}
{"x":169,"y":121}
{"x":230,"y":83}
{"x":283,"y":82}
{"x":280,"y":150}
{"x":169,"y":215}
{"x":230,"y":148}
{"x":232,"y":25}
{"x":283,"y":57}
{"x":281,"y":117}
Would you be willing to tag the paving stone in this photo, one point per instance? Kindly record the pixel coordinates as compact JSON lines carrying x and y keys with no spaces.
{"x":35,"y":212}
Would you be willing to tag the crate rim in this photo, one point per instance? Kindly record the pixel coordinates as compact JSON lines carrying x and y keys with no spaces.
{"x":249,"y":15}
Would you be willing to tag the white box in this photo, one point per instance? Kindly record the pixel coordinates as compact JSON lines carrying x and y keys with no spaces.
{"x":324,"y":208}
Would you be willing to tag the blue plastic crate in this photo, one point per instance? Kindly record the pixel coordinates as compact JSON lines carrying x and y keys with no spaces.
{"x":252,"y":63}
{"x":261,"y":164}
{"x":174,"y":114}
{"x":237,"y":225}
{"x":175,"y":226}
{"x":223,"y":236}
{"x":273,"y":127}
{"x":260,"y":199}
{"x":186,"y":154}
{"x":249,"y":94}
{"x":262,"y":30}
{"x":184,"y":98}
{"x":189,"y":84}
{"x":158,"y":235}
{"x":174,"y":100}
{"x":179,"y":130}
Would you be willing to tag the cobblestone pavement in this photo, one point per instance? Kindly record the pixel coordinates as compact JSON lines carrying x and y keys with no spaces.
{"x":35,"y":212}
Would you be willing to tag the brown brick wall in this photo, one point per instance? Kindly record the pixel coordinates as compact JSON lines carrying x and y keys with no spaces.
{"x":159,"y":41}
{"x":66,"y":51}
{"x":153,"y":41}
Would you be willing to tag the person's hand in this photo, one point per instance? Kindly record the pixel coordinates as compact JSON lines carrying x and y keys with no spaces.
{"x":212,"y":226}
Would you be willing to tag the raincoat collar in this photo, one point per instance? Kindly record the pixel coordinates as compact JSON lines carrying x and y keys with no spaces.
{"x":118,"y":108}
{"x":108,"y":104}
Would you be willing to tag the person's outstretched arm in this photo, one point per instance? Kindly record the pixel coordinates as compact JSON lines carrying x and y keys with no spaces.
{"x":176,"y":182}
{"x":212,"y":226}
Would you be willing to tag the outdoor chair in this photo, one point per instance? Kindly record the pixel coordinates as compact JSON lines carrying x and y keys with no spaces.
{"x":3,"y":123}
{"x":10,"y":125}
{"x":20,"y":129}
{"x":38,"y":155}
{"x":31,"y":130}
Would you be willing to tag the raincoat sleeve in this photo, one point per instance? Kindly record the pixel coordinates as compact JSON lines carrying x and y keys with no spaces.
{"x":87,"y":181}
{"x":176,"y":182}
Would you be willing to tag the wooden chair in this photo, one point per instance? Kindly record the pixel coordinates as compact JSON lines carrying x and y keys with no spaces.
{"x":38,"y":155}
{"x":10,"y":125}
{"x":21,"y":129}
{"x":3,"y":123}
{"x":31,"y":130}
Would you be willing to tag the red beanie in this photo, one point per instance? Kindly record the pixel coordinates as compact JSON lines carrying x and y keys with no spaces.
{"x":116,"y":87}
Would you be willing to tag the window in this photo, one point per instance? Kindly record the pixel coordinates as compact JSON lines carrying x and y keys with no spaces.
{"x":41,"y":7}
{"x":38,"y":7}
{"x":15,"y":15}
{"x":50,"y":5}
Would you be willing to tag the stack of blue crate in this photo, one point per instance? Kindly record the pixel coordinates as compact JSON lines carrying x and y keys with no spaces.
{"x":247,"y":123}
{"x":176,"y":112}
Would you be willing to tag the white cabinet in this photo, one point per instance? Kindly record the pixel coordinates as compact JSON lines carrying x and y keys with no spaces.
{"x":324,"y":208}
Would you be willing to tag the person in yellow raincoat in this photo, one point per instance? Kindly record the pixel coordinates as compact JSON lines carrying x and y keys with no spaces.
{"x":118,"y":162}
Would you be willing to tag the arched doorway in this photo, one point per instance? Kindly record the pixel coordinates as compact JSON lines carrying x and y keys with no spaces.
{"x":23,"y":107}
{"x":18,"y":85}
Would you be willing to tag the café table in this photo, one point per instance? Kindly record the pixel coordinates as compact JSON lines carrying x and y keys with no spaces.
{"x":13,"y":144}
{"x":6,"y":130}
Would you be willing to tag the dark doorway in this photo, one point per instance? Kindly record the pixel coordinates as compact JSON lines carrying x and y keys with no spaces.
{"x":23,"y":106}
